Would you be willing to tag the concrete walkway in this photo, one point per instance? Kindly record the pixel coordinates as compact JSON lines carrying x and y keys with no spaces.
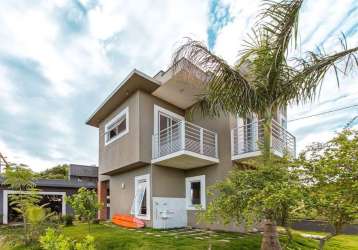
{"x":197,"y":234}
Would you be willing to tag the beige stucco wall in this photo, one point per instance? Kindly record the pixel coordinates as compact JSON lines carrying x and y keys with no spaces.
{"x":146,"y":119}
{"x":168,"y":182}
{"x":122,"y":198}
{"x":125,"y":150}
{"x":216,"y":172}
{"x":136,"y":146}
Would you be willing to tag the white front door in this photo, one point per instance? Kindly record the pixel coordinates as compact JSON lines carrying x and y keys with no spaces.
{"x":141,"y":202}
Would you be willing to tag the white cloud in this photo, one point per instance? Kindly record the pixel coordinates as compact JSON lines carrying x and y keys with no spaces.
{"x":231,"y":37}
{"x":7,"y":95}
{"x":82,"y":54}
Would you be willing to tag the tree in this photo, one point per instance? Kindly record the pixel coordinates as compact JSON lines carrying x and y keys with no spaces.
{"x":57,"y":172}
{"x":270,"y":191}
{"x":21,"y":179}
{"x":331,"y":173}
{"x":265,"y":77}
{"x":36,"y":216}
{"x":85,"y":204}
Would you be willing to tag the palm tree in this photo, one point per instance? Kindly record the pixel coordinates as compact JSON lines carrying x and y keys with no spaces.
{"x":265,"y":78}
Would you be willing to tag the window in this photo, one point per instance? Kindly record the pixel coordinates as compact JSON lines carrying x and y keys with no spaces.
{"x":195,"y":192}
{"x":117,"y":127}
{"x":141,"y":201}
{"x":167,"y":131}
{"x":164,"y":118}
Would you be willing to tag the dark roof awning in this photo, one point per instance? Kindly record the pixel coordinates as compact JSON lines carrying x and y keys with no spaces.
{"x":61,"y":183}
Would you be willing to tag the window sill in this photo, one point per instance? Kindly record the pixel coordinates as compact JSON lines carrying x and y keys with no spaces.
{"x":195,"y":208}
{"x":117,"y":137}
{"x":143,"y":217}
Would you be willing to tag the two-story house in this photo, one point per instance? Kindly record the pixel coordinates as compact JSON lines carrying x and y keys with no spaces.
{"x":155,"y":164}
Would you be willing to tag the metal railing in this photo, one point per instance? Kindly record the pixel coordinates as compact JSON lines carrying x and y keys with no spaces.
{"x":187,"y":136}
{"x":248,"y":138}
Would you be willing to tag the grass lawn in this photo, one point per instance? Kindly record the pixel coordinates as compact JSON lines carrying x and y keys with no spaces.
{"x":113,"y":237}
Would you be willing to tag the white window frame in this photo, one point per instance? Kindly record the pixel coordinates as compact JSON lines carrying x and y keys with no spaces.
{"x":158,"y":109}
{"x":125,"y":112}
{"x":188,"y":181}
{"x":137,"y":179}
{"x":6,"y":201}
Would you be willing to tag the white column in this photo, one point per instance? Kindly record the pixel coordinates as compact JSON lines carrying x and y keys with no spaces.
{"x":182,"y":124}
{"x":5,"y":207}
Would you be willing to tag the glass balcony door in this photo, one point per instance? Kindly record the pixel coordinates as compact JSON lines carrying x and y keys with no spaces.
{"x":169,"y":133}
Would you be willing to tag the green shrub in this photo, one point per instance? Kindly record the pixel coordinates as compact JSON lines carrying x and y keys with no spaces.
{"x":67,"y":220}
{"x":87,"y":244}
{"x":85,"y":204}
{"x":52,"y":240}
{"x":37,"y":219}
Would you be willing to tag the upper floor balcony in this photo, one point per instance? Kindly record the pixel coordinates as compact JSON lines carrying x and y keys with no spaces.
{"x":185,"y":145}
{"x":245,"y":140}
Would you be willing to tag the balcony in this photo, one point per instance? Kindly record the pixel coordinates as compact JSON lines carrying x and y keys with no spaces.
{"x":185,"y":145}
{"x":245,"y":141}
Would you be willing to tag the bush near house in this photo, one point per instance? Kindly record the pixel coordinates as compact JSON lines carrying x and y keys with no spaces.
{"x":67,"y":220}
{"x":85,"y":204}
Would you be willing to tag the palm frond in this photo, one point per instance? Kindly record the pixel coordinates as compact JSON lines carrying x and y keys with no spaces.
{"x":312,"y":69}
{"x":279,"y":21}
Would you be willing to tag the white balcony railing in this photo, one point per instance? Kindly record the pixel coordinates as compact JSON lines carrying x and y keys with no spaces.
{"x":185,"y":136}
{"x":245,"y":140}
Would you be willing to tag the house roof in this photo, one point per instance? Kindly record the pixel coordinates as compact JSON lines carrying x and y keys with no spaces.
{"x":83,"y":170}
{"x":60,"y":183}
{"x":136,"y":80}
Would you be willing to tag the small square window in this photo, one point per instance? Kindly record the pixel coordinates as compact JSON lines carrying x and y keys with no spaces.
{"x":195,"y":192}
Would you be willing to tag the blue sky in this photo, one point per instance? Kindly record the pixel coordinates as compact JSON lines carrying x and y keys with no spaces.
{"x":59,"y":59}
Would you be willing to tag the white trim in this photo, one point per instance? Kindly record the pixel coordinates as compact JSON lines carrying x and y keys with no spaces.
{"x":188,"y":180}
{"x":7,"y":192}
{"x":158,"y":109}
{"x":254,"y":154}
{"x":246,"y":155}
{"x":125,"y":112}
{"x":145,"y":177}
{"x":185,"y":152}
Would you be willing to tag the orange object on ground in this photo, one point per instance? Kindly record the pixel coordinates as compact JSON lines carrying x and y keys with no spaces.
{"x":127,"y":221}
